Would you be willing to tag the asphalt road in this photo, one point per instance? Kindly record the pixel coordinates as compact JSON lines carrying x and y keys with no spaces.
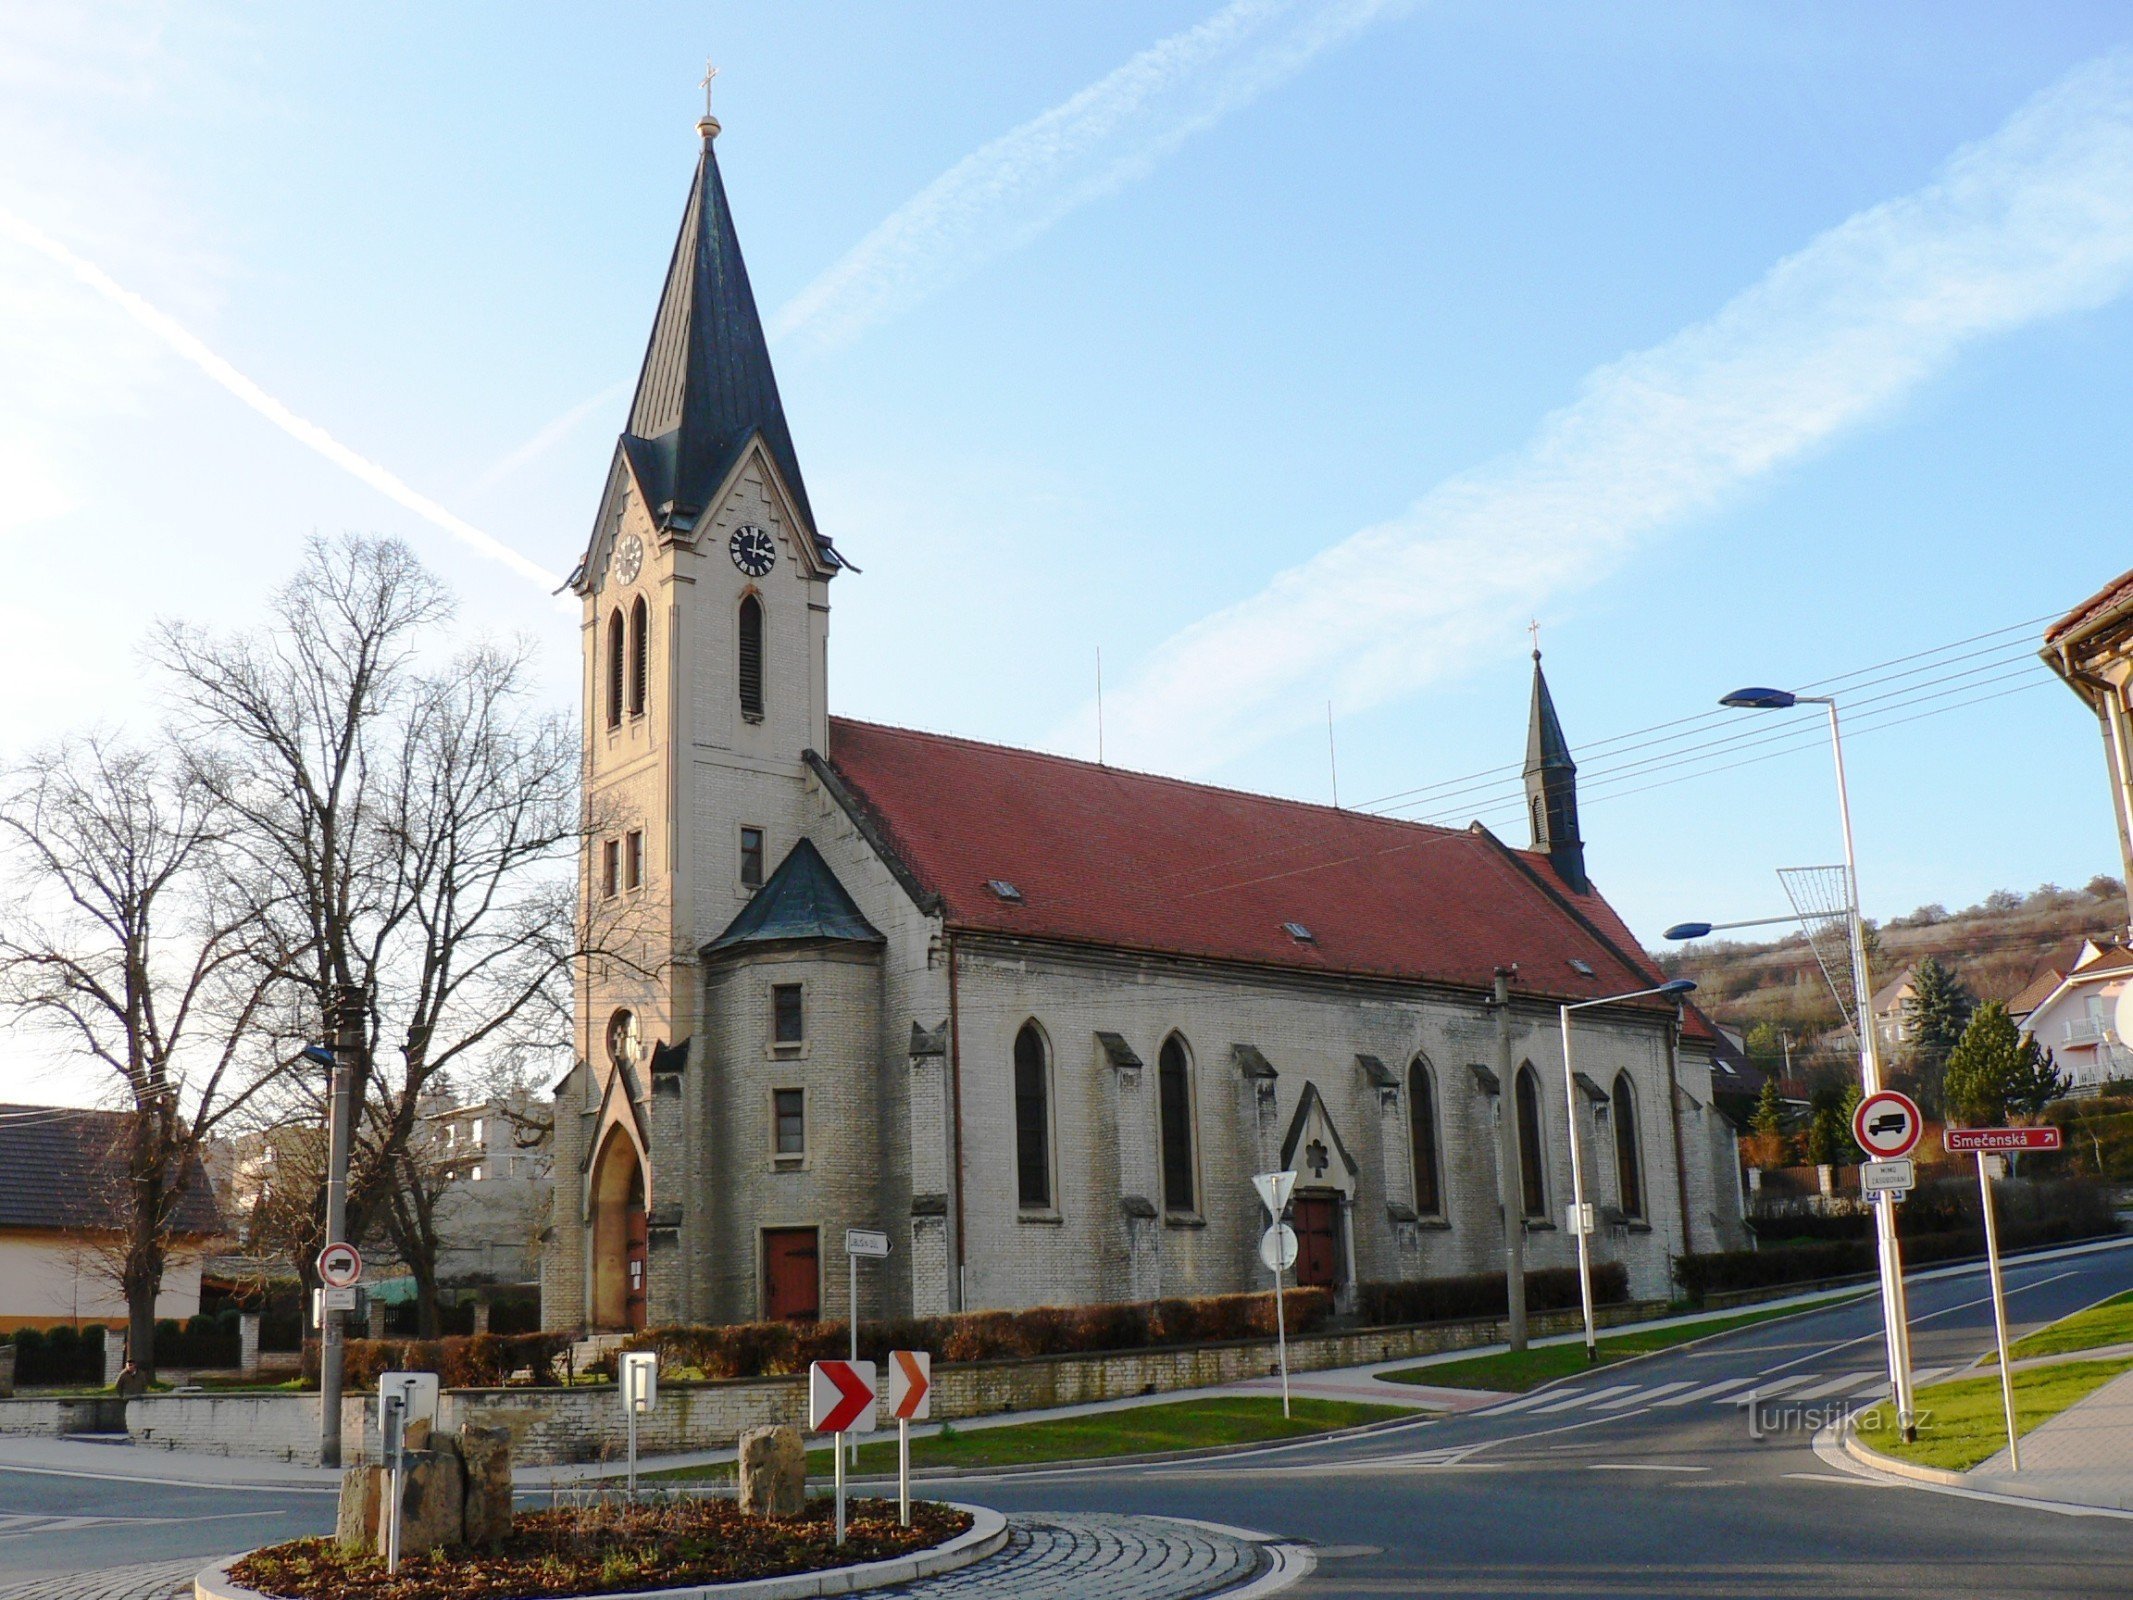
{"x":1640,"y":1481}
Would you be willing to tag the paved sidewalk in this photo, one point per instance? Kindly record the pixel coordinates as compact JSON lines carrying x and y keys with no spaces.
{"x":155,"y":1580}
{"x":2083,"y":1456}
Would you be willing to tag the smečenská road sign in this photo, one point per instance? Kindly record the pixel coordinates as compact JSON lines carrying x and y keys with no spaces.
{"x":910,"y":1385}
{"x":1887,"y":1125}
{"x":840,"y":1397}
{"x":340,"y":1266}
{"x":1958,"y":1140}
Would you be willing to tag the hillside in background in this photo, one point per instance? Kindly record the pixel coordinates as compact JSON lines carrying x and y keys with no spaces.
{"x":1995,"y":948}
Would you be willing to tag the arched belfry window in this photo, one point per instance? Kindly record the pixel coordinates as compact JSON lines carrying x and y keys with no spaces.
{"x":1173,"y":1076}
{"x":1629,"y":1169}
{"x":1532,"y":1159}
{"x":1422,"y":1133}
{"x":615,"y":647}
{"x":640,"y":645}
{"x":751,"y":657}
{"x":1033,"y":1120}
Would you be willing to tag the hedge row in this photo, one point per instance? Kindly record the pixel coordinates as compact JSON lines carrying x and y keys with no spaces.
{"x":56,"y":1356}
{"x":757,"y":1349}
{"x":207,"y":1341}
{"x":1720,"y":1271}
{"x":1485,"y":1294}
{"x":477,"y":1361}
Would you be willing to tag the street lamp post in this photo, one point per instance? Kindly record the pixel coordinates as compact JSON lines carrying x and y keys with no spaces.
{"x":342,"y":1060}
{"x":1577,"y":1160}
{"x":1895,"y":1320}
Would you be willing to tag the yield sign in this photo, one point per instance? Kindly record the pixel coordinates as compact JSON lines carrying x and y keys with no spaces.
{"x":840,"y":1396}
{"x":1274,"y":1190}
{"x":910,"y":1385}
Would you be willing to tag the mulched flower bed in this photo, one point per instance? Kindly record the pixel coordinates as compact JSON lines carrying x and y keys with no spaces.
{"x":608,"y":1548}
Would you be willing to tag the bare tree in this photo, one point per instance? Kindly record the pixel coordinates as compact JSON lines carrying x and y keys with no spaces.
{"x":121,"y":936}
{"x":410,"y":831}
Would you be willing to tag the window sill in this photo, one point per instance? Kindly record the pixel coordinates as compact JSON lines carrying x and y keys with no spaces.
{"x":1636,"y":1225}
{"x":1435,"y":1224}
{"x":1042,"y":1219}
{"x":1183,"y":1219}
{"x":789,"y":1052}
{"x":1539,"y":1225}
{"x":788,"y":1163}
{"x":753,"y":718}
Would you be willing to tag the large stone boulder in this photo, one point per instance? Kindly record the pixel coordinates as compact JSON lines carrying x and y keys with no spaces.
{"x":773,"y":1472}
{"x":486,"y":1453}
{"x":355,"y":1530}
{"x":432,"y":1498}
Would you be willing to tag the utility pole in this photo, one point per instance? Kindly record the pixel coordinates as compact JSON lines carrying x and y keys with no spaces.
{"x":1509,"y":1166}
{"x":340,"y":1112}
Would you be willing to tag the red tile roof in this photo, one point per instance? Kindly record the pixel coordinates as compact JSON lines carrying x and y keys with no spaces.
{"x":2116,"y":593}
{"x":1131,"y":861}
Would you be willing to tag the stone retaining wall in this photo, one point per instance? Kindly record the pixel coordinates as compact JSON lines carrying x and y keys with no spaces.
{"x":73,"y":1414}
{"x":553,"y":1426}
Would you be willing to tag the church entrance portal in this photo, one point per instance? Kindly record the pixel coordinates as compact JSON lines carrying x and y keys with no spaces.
{"x":792,"y":1275}
{"x":619,"y":1236}
{"x":1317,"y":1220}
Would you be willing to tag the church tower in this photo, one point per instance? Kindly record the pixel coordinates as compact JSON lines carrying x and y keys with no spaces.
{"x":1552,"y":786}
{"x":705,"y":589}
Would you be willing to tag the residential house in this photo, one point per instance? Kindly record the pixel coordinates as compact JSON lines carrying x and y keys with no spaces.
{"x":2077,"y":1019}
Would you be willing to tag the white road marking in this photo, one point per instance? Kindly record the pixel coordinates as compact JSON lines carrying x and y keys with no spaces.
{"x":1769,"y":1391}
{"x":1642,"y":1395}
{"x":1583,"y":1397}
{"x":1710,"y":1391}
{"x":1835,"y":1386}
{"x":1519,"y":1404}
{"x":1640,"y":1466}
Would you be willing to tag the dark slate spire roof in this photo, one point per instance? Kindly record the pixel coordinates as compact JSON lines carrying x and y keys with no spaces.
{"x":707,"y":385}
{"x":1552,"y":786}
{"x":802,"y":900}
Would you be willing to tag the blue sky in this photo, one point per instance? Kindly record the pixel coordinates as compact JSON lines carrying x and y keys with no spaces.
{"x":1287,"y":351}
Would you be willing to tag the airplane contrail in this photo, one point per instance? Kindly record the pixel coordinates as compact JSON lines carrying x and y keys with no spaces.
{"x":189,"y":345}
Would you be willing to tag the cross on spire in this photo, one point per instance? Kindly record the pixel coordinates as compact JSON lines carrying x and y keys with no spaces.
{"x":1534,"y":628}
{"x":710,"y":72}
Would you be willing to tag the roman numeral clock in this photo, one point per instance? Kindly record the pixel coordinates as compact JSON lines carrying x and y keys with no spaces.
{"x":753,"y":550}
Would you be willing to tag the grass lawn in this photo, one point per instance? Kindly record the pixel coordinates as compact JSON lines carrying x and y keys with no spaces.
{"x":1962,"y":1423}
{"x":1135,"y":1430}
{"x":1516,"y":1371}
{"x":2109,"y":1323}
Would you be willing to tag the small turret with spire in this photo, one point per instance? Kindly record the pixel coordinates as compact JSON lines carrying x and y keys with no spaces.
{"x":1552,"y":786}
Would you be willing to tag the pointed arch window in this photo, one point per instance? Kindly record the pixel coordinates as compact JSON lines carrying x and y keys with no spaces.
{"x":1422,"y":1133}
{"x":751,"y":658}
{"x":1033,"y":1120}
{"x":640,"y":661}
{"x":1173,"y":1076}
{"x":1629,"y":1166}
{"x":615,"y":648}
{"x":1532,"y":1166}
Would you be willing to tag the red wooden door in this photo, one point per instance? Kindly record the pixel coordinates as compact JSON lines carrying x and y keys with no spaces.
{"x":1318,"y":1241}
{"x":792,"y":1278}
{"x":637,"y":1259}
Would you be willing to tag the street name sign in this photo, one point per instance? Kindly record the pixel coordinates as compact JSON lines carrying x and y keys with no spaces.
{"x":1965,"y":1139}
{"x":1887,"y":1125}
{"x":866,"y":1242}
{"x":1887,"y":1177}
{"x":1274,"y":1189}
{"x":1277,"y":1247}
{"x":340,"y":1266}
{"x":840,"y":1397}
{"x":910,"y":1385}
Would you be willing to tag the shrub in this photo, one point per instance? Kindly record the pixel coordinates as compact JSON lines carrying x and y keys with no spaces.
{"x":478,"y":1361}
{"x":206,"y":1341}
{"x":1484,"y":1294}
{"x":59,"y":1356}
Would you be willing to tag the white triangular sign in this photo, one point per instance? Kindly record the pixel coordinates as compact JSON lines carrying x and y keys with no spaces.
{"x":1274,"y":1190}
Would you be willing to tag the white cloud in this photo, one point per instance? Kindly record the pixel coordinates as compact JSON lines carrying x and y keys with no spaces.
{"x":2032,"y":222}
{"x":1005,"y":194}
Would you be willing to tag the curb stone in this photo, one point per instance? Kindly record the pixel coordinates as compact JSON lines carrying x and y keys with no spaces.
{"x":986,"y":1534}
{"x":1838,"y":1444}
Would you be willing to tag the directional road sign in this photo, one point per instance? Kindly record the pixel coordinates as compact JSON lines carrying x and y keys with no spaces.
{"x":1277,"y":1247}
{"x":1274,"y":1189}
{"x":340,"y":1266}
{"x":840,"y":1397}
{"x":910,"y":1385}
{"x":1887,"y":1125}
{"x":1888,"y":1177}
{"x":865,"y":1242}
{"x":2000,"y":1139}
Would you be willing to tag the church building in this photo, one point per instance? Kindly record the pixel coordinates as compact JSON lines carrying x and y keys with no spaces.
{"x":1038,"y":1020}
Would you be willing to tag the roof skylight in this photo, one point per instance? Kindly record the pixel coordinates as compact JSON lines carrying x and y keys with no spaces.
{"x":1005,"y":890}
{"x":1298,"y":932}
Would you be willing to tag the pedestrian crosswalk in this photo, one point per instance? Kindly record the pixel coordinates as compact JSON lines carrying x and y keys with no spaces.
{"x":1857,"y":1385}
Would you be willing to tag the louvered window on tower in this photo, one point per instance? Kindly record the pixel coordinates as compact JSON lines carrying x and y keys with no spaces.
{"x":751,"y":659}
{"x":615,"y":647}
{"x":640,"y":621}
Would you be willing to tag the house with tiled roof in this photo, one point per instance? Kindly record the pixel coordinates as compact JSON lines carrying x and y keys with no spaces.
{"x":2077,"y":1018}
{"x":1038,"y":1019}
{"x":2091,"y":649}
{"x":62,"y":1175}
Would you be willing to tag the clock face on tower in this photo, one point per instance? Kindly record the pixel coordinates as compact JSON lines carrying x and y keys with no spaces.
{"x":754,"y":551}
{"x":629,"y":558}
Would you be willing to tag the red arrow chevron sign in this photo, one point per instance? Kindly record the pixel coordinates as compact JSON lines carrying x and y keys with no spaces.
{"x":840,"y":1397}
{"x":910,"y":1385}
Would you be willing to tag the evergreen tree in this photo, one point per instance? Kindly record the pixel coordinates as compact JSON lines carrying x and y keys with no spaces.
{"x":1769,"y":1117}
{"x":1993,"y":1071}
{"x":1935,"y":1015}
{"x":1846,"y":1109}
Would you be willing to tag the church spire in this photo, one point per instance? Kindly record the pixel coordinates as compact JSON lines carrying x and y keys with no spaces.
{"x":1552,"y":786}
{"x":707,"y":386}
